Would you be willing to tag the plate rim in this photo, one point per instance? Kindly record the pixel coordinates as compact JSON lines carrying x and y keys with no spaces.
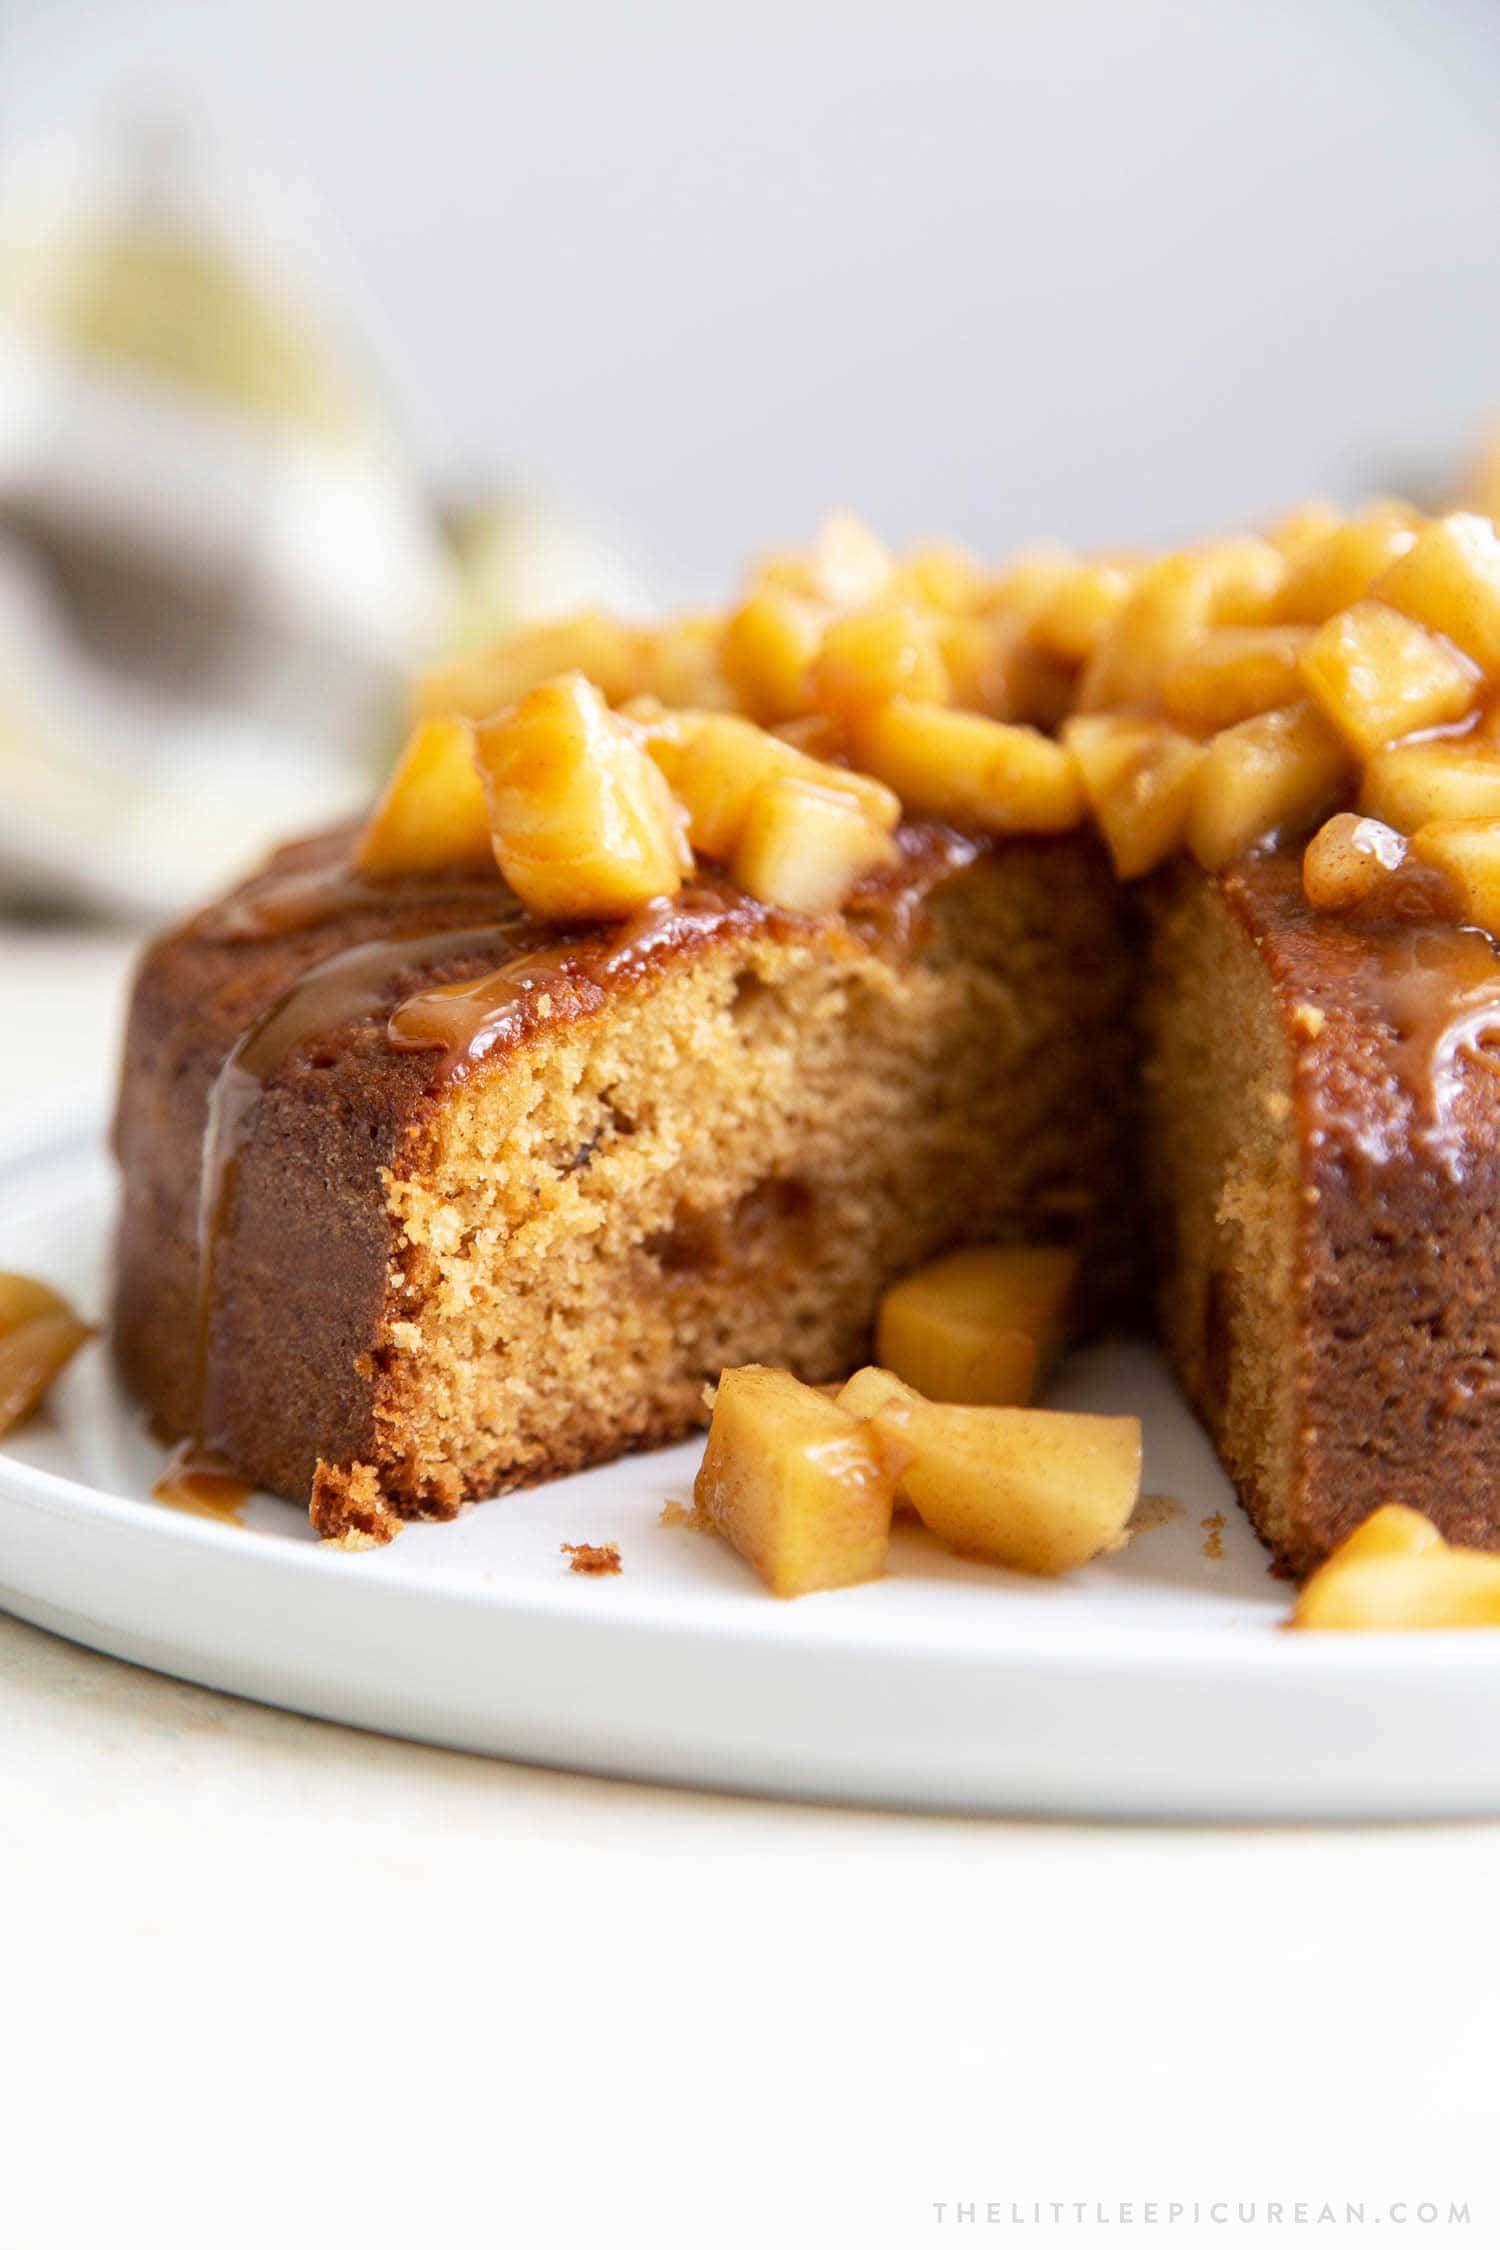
{"x":1249,"y":1650}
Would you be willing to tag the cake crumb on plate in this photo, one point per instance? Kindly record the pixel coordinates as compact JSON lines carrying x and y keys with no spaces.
{"x":592,"y":1562}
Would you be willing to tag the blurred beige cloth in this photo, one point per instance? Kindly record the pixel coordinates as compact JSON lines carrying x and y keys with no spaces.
{"x":218,"y":565}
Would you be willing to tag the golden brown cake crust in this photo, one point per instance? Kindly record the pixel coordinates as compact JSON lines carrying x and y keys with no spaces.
{"x":1326,"y":1156}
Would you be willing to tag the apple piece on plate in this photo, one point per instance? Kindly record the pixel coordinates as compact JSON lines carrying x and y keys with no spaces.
{"x":39,"y":1333}
{"x":979,"y":1327}
{"x":23,"y":1299}
{"x":863,"y":1396}
{"x":1036,"y":1491}
{"x":1396,"y":1573}
{"x":795,"y":1484}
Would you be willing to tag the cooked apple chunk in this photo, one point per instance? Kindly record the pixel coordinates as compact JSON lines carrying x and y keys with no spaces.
{"x":717,"y":764}
{"x":1033,"y":1490}
{"x":1273,"y":775}
{"x":39,"y":1333}
{"x":979,"y":1327}
{"x":682,"y":664}
{"x":433,"y":813}
{"x":1169,"y":609}
{"x":1140,"y":776}
{"x":1083,"y":604}
{"x":1377,"y":675}
{"x":1412,"y":783}
{"x":797,"y":1486}
{"x":1396,"y":1573}
{"x":956,"y":765}
{"x":889,"y":648}
{"x":1330,"y":572}
{"x":1449,"y":580}
{"x":1173,"y":602}
{"x":583,"y":824}
{"x":1235,"y":672}
{"x":1467,"y":852}
{"x":805,"y":846}
{"x":1350,"y":861}
{"x":769,"y":647}
{"x":606,"y":651}
{"x":871,"y":1388}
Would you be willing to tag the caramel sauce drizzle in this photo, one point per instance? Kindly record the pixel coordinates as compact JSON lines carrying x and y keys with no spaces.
{"x":463,"y":1022}
{"x":459,"y":1024}
{"x":349,"y":985}
{"x":200,"y":1483}
{"x":309,"y":898}
{"x":1437,"y":987}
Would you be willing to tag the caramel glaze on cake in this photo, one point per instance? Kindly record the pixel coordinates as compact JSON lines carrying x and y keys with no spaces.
{"x":425,"y":1199}
{"x":1323,"y":1129}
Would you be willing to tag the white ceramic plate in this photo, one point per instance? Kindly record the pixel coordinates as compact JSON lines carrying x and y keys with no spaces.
{"x":1152,"y":1683}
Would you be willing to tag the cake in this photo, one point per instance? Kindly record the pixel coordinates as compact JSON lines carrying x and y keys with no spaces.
{"x":524,"y":1241}
{"x":667,"y":1011}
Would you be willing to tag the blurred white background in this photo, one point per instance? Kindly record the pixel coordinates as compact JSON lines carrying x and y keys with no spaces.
{"x":1102,"y":269}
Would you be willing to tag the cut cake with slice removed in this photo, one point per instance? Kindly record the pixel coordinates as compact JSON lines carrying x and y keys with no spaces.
{"x":398,"y":1244}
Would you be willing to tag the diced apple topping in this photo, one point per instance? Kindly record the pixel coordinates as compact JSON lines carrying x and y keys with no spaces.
{"x":682,"y":664}
{"x":955,"y":765}
{"x":1170,"y":608}
{"x":1172,"y":605}
{"x":1269,"y":776}
{"x":1302,"y":532}
{"x":770,"y":645}
{"x":797,"y":1486}
{"x":716,"y":764}
{"x":39,"y":1333}
{"x":979,"y":1327}
{"x":1331,"y":572}
{"x":1409,"y":785}
{"x":942,"y":578}
{"x":1350,"y":862}
{"x":1083,"y":604}
{"x":1235,"y":672}
{"x":890,"y":648}
{"x":1467,"y":853}
{"x":602,"y":648}
{"x":433,"y":814}
{"x":805,"y":846}
{"x":583,"y":823}
{"x":1377,"y":675}
{"x":1218,"y":699}
{"x":1140,"y":777}
{"x":1449,"y":580}
{"x":1396,"y":1573}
